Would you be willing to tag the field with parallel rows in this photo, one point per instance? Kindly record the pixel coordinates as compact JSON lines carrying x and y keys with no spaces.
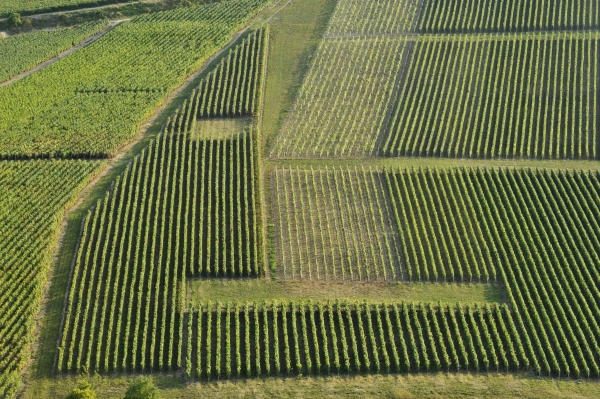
{"x":186,"y":207}
{"x":533,"y":97}
{"x":393,"y":17}
{"x":334,"y":225}
{"x":227,"y":340}
{"x":183,"y":208}
{"x":326,"y":197}
{"x":533,"y":231}
{"x":346,"y":74}
{"x":29,"y":224}
{"x":39,"y":6}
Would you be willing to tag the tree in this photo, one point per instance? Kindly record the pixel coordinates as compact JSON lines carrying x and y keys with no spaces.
{"x":142,"y":388}
{"x":83,"y":391}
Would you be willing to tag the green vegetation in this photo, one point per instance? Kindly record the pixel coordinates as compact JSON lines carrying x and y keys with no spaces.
{"x":509,"y":15}
{"x":142,"y":388}
{"x":524,"y":96}
{"x":141,"y":241}
{"x":334,"y":225}
{"x":184,"y":207}
{"x":360,"y":18}
{"x":433,"y":275}
{"x":93,"y":102}
{"x":533,"y":230}
{"x":23,"y":52}
{"x":342,"y":104}
{"x":310,"y":338}
{"x":368,"y":18}
{"x":443,"y":385}
{"x":83,"y":391}
{"x":231,"y":88}
{"x":38,"y":6}
{"x":264,"y":290}
{"x":29,"y":222}
{"x":295,"y":34}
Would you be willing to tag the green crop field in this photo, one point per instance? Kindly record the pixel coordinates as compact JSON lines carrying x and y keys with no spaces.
{"x":23,"y":52}
{"x":303,"y":198}
{"x":29,"y":222}
{"x":38,"y":6}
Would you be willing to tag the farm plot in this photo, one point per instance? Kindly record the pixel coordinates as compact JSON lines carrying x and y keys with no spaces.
{"x":8,"y":7}
{"x":509,"y":15}
{"x":531,"y":96}
{"x":22,"y":52}
{"x":248,"y":340}
{"x":398,"y":17}
{"x":342,"y":103}
{"x":142,"y":60}
{"x":533,"y":230}
{"x":230,"y":90}
{"x":372,"y":17}
{"x":29,"y":222}
{"x":334,"y":225}
{"x":186,"y":207}
{"x":183,"y":208}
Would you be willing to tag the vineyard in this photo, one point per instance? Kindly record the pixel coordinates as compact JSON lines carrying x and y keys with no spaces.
{"x":227,"y":340}
{"x":23,"y":52}
{"x":346,"y":75}
{"x":393,"y":17}
{"x":533,"y":231}
{"x":186,"y":207}
{"x":334,"y":225}
{"x":38,"y":6}
{"x":29,"y":223}
{"x":93,"y":102}
{"x":423,"y":197}
{"x":533,"y":97}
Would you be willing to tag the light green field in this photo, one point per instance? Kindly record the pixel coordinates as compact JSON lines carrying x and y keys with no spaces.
{"x":259,"y":290}
{"x":295,"y":34}
{"x":220,"y":128}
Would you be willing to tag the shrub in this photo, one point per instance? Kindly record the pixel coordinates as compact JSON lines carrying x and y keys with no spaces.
{"x":83,"y":391}
{"x":142,"y":388}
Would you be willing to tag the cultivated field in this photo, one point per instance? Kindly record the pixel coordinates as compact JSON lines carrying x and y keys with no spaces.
{"x":29,"y":222}
{"x":305,"y":198}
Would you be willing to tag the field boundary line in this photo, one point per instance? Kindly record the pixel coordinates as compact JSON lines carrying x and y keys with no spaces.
{"x":432,"y":162}
{"x":474,"y":36}
{"x":65,"y":53}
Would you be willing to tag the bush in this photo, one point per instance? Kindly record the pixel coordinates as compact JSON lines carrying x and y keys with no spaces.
{"x":83,"y":391}
{"x":142,"y":388}
{"x":15,"y":20}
